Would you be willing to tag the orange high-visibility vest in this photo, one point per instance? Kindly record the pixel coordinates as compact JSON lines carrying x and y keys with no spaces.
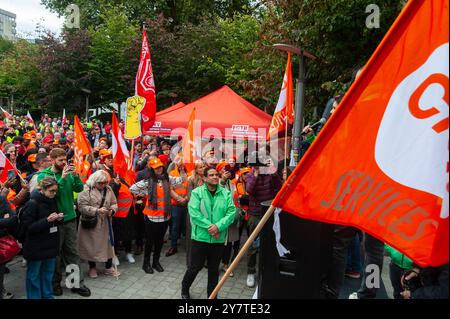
{"x":159,"y":211}
{"x":182,"y":188}
{"x":124,"y":201}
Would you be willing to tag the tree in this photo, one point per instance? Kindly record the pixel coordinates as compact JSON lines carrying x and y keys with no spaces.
{"x":63,"y":63}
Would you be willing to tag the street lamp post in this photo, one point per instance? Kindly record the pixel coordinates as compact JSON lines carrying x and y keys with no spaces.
{"x":87,"y":91}
{"x":299,"y":96}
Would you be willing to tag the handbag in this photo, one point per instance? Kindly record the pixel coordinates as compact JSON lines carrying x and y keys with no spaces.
{"x":89,"y":222}
{"x":9,"y":248}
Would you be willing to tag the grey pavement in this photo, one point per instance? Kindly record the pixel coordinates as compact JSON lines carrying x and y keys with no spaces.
{"x":134,"y":283}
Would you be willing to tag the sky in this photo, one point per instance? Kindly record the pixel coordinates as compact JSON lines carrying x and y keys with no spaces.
{"x":29,"y":13}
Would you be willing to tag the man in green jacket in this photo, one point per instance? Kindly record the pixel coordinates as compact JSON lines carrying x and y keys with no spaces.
{"x":212,"y":211}
{"x":68,"y":183}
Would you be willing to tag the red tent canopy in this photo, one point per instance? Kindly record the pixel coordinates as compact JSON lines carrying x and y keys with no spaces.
{"x":170,"y":109}
{"x":222,"y":111}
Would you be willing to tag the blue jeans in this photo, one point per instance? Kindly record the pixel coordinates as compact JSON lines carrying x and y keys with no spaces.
{"x":39,"y":278}
{"x":354,"y":262}
{"x":178,"y":216}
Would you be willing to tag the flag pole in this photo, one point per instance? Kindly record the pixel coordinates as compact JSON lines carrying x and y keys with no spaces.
{"x":243,"y":250}
{"x":285,"y":147}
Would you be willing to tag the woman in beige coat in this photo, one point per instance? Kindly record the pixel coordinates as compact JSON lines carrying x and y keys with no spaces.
{"x":94,"y":244}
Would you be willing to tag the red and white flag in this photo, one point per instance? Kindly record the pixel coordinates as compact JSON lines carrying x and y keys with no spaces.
{"x":5,"y":113}
{"x":29,"y":118}
{"x":189,"y":144}
{"x":284,"y":112}
{"x":145,"y":85}
{"x":64,"y":118}
{"x":5,"y":167}
{"x":122,"y":159}
{"x":381,"y":162}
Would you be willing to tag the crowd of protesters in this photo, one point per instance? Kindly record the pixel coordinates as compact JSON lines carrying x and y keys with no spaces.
{"x":58,"y":219}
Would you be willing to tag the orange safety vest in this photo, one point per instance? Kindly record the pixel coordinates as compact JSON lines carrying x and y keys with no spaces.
{"x":124,"y":201}
{"x":159,"y":211}
{"x":182,"y":188}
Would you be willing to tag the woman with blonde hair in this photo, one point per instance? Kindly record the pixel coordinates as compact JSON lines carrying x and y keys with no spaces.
{"x":97,"y":203}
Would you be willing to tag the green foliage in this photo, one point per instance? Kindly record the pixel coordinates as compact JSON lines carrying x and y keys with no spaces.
{"x":196,"y":46}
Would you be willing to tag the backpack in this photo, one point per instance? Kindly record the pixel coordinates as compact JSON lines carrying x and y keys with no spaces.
{"x":20,"y":231}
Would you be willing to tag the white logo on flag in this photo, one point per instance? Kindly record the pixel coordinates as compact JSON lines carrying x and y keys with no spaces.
{"x":412,"y":141}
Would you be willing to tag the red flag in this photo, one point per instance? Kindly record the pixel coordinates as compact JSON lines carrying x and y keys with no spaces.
{"x":81,"y":149}
{"x":5,"y":167}
{"x":285,"y":103}
{"x":5,"y":113}
{"x":121,"y":157}
{"x":381,"y":162}
{"x":189,"y":149}
{"x":145,"y":85}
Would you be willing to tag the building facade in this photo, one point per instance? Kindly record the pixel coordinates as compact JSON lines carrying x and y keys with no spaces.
{"x":7,"y":24}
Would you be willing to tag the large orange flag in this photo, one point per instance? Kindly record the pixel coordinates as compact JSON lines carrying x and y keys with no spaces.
{"x":189,"y":141}
{"x":122,"y":160}
{"x":381,"y":161}
{"x":81,"y":149}
{"x":285,"y":105}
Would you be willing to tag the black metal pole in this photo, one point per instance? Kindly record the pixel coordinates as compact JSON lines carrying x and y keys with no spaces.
{"x":299,"y":106}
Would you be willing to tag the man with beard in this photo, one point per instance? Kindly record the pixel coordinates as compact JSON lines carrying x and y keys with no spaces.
{"x":68,"y":183}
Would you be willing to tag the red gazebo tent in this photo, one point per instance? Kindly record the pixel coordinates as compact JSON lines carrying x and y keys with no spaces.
{"x":222,"y":111}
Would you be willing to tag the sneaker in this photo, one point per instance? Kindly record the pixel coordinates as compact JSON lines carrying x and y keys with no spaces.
{"x":353,"y":274}
{"x":353,"y":295}
{"x":231,"y":274}
{"x":8,"y":295}
{"x":24,"y":263}
{"x":116,"y":261}
{"x":250,"y":280}
{"x":130,"y":258}
{"x":92,"y":273}
{"x":171,"y":251}
{"x":112,"y":272}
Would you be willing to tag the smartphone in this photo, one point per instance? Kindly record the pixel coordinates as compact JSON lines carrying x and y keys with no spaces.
{"x":11,"y":173}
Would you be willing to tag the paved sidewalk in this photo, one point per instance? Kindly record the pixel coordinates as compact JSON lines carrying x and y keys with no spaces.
{"x":134,"y":283}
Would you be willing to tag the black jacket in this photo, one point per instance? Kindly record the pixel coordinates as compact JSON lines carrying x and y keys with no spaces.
{"x":6,"y":223}
{"x":39,"y":244}
{"x":435,"y":283}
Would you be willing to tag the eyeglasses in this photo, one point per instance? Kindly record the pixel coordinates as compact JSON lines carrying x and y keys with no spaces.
{"x":102,"y":183}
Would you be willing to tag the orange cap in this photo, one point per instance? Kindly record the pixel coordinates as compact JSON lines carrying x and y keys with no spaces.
{"x":32,"y":158}
{"x":245,"y":170}
{"x":221,"y":165}
{"x":155,"y":163}
{"x":105,"y":153}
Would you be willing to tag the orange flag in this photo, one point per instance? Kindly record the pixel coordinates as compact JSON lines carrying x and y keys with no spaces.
{"x":122,"y":160}
{"x":189,"y":149}
{"x":285,"y":103}
{"x":81,"y":149}
{"x":381,"y":162}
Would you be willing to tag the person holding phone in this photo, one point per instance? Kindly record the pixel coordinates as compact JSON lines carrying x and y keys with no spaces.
{"x":68,"y":183}
{"x":41,"y":219}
